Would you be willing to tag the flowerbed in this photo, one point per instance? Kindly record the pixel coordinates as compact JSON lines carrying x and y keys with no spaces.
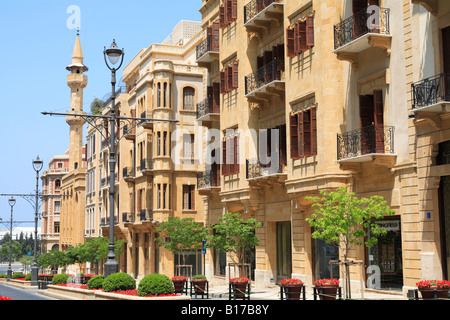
{"x":5,"y":298}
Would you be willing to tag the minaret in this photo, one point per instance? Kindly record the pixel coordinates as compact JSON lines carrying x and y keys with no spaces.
{"x":77,"y":81}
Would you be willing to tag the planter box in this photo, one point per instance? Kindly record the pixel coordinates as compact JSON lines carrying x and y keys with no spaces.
{"x":84,"y":294}
{"x":20,"y":284}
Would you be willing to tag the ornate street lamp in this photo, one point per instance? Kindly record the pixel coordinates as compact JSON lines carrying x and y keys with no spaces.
{"x":37,"y":166}
{"x":114,"y":55}
{"x":11,"y":202}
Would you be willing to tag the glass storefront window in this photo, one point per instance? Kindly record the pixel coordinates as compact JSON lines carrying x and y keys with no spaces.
{"x":323,"y":254}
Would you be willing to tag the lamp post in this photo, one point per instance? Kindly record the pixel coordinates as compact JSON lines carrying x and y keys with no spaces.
{"x":11,"y":202}
{"x":114,"y":54}
{"x":37,"y":166}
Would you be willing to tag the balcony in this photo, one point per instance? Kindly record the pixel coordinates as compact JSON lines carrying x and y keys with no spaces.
{"x":145,"y":123}
{"x":128,"y":217}
{"x":128,"y":174}
{"x":258,"y":14}
{"x":104,"y":222}
{"x":266,"y":81}
{"x":431,"y":94}
{"x":208,"y":180}
{"x":369,"y":144}
{"x":208,"y":49}
{"x":207,"y":111}
{"x":360,"y":32}
{"x":146,"y":215}
{"x":146,"y":167}
{"x":129,"y":133}
{"x":264,"y":174}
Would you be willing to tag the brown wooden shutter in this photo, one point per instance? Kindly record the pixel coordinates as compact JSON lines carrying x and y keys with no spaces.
{"x":302,"y":36}
{"x":379,"y":122}
{"x":222,"y":17}
{"x":215,"y":36}
{"x":290,"y":43}
{"x":229,"y":11}
{"x":192,"y":191}
{"x":366,"y":113}
{"x":307,"y":133}
{"x":236,"y":154}
{"x":314,"y":131}
{"x":301,"y":137}
{"x":235,"y":75}
{"x":234,"y":10}
{"x":229,"y":76}
{"x":282,"y":148}
{"x":310,"y":31}
{"x":223,"y":83}
{"x":225,"y":170}
{"x":297,"y":38}
{"x":294,"y":137}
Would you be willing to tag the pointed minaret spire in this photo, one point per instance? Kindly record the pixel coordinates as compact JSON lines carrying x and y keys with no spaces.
{"x":77,"y":56}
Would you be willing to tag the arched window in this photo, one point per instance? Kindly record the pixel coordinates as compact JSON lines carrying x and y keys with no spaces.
{"x":57,"y":185}
{"x":189,"y":98}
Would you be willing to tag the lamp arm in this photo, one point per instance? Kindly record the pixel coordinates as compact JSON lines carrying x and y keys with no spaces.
{"x":106,"y":61}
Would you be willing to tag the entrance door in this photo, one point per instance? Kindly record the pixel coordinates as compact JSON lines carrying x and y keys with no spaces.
{"x":372,"y":123}
{"x":284,"y":251}
{"x":444,"y":201}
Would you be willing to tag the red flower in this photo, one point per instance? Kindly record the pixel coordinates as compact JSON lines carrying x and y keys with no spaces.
{"x":424,"y":284}
{"x":321,"y":282}
{"x":287,"y":282}
{"x":5,"y":298}
{"x":179,"y":278}
{"x":239,"y":279}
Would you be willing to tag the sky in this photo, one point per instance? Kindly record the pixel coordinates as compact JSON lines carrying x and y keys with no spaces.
{"x":36,"y":41}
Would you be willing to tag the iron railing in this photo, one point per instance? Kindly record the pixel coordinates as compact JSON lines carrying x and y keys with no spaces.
{"x":255,"y":169}
{"x":105,"y":221}
{"x":367,"y":140}
{"x":208,"y":179}
{"x":128,"y":173}
{"x":264,"y":75}
{"x":146,"y":215}
{"x":360,"y":24}
{"x":210,"y":44}
{"x":254,"y":7}
{"x":206,"y":107}
{"x":431,"y":90}
{"x":146,"y":164}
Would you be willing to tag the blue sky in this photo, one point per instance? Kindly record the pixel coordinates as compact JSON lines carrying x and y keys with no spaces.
{"x":36,"y":46}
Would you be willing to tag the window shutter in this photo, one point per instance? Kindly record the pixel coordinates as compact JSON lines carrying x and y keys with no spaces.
{"x":307,"y":133}
{"x":301,"y":137}
{"x":233,"y":10}
{"x":222,"y":82}
{"x":310,"y":31}
{"x":229,"y":75}
{"x":222,"y":19}
{"x":314,"y":131}
{"x":283,"y":158}
{"x":215,"y":37}
{"x":294,"y":137}
{"x":296,"y":38}
{"x":290,"y":43}
{"x":379,"y":123}
{"x":303,"y":46}
{"x":192,"y":198}
{"x":235,"y":72}
{"x":236,"y":154}
{"x":224,"y":159}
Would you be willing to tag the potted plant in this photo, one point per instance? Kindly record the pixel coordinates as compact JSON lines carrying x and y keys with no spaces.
{"x":428,"y":288}
{"x":327,"y":288}
{"x":179,"y":283}
{"x":292,"y":288}
{"x":199,"y":283}
{"x":239,"y":286}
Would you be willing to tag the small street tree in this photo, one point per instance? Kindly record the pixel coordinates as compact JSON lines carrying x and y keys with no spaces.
{"x":340,"y":218}
{"x":236,"y":236}
{"x":185,"y":235}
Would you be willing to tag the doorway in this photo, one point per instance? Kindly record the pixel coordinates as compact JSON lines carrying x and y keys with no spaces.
{"x":372,"y":123}
{"x":284,"y":250}
{"x":323,"y":254}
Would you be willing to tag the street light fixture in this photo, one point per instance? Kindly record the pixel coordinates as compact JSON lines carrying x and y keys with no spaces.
{"x":37,"y":166}
{"x":11,"y":202}
{"x":114,"y":55}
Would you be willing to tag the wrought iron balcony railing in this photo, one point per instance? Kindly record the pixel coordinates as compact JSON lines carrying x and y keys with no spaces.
{"x":146,"y":165}
{"x":128,"y":173}
{"x":264,"y":75}
{"x":254,"y":7}
{"x":206,"y":107}
{"x":208,"y":179}
{"x":146,"y":215}
{"x":431,"y":91}
{"x":128,"y":217}
{"x":255,"y":169}
{"x":360,"y":24}
{"x":210,"y":44}
{"x":105,"y":221}
{"x":367,"y":140}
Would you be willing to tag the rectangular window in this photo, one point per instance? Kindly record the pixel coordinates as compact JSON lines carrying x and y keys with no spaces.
{"x":164,"y":201}
{"x":303,"y":133}
{"x":229,"y":78}
{"x":158,"y":143}
{"x":230,"y":156}
{"x":188,"y":146}
{"x":189,"y":197}
{"x":300,"y":37}
{"x":57,"y":206}
{"x":165,"y":143}
{"x":158,"y":195}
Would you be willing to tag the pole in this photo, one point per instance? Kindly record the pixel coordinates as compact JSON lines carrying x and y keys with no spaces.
{"x":34,"y":268}
{"x":9,"y":275}
{"x":111,"y":265}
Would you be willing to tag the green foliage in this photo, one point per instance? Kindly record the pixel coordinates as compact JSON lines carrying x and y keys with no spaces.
{"x":155,"y":284}
{"x":54,"y":259}
{"x":342,"y":219}
{"x":60,"y":279}
{"x":119,"y":281}
{"x":185,"y":235}
{"x":2,"y":275}
{"x":199,"y":277}
{"x":234,"y":235}
{"x":28,"y":277}
{"x":96,"y":282}
{"x":96,"y":106}
{"x":18,"y":275}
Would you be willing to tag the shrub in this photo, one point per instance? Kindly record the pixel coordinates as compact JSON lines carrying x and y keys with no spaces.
{"x":2,"y":275}
{"x":95,"y":282}
{"x":199,"y":277}
{"x":155,"y":285}
{"x":18,"y":275}
{"x":28,"y":277}
{"x":119,"y":281}
{"x":60,"y":279}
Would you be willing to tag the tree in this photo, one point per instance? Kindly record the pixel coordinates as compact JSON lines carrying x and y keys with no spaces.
{"x":185,"y":235}
{"x":342,"y":219}
{"x":54,"y":259}
{"x":234,"y":235}
{"x":96,"y":106}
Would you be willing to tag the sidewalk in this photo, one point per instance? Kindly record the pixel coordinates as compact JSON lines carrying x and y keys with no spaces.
{"x":221,"y":292}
